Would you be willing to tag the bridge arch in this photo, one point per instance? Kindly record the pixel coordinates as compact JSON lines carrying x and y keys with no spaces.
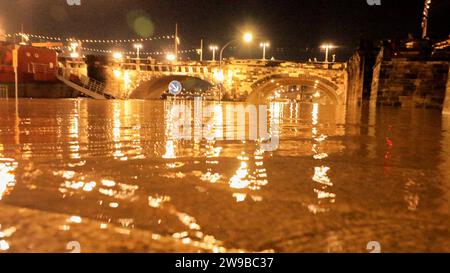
{"x":268,"y":85}
{"x":153,"y":88}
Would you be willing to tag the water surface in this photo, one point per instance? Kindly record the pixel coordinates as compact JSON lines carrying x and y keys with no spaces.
{"x":110,"y":176}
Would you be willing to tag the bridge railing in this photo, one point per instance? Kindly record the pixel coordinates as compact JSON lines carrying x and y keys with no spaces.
{"x":208,"y":67}
{"x":92,"y":85}
{"x":169,"y":68}
{"x":85,"y":82}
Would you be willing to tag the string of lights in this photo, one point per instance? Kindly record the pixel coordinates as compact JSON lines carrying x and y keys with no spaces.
{"x":107,"y":41}
{"x":106,"y":51}
{"x":89,"y":41}
{"x":186,"y":51}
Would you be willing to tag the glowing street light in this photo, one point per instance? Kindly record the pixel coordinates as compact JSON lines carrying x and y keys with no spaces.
{"x":138,"y":48}
{"x":213,"y":48}
{"x":264,"y":45}
{"x":327,"y":47}
{"x":74,"y":47}
{"x":74,"y":55}
{"x":248,"y":38}
{"x":171,"y":57}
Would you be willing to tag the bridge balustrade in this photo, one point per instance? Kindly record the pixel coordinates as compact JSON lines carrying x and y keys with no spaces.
{"x":168,"y":68}
{"x":92,"y":85}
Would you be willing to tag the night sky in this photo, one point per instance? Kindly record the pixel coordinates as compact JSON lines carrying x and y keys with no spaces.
{"x":295,"y":28}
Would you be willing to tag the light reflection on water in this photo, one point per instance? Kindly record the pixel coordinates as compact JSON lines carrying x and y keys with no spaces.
{"x":338,"y":180}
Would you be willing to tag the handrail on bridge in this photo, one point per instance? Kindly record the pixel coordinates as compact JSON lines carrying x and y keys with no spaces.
{"x":85,"y":82}
{"x":172,"y":68}
{"x":92,"y":85}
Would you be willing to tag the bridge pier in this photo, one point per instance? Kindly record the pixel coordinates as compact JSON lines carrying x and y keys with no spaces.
{"x":409,"y":82}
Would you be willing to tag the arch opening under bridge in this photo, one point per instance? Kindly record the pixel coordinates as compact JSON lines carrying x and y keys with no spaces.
{"x":154,"y":88}
{"x":293,"y":86}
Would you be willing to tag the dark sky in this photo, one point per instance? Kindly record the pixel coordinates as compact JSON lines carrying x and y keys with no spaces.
{"x":292,"y":26}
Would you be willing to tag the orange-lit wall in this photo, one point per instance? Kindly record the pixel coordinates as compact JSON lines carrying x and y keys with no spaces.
{"x":35,"y":64}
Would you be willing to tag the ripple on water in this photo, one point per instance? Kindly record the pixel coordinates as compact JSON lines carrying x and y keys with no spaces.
{"x":112,"y":176}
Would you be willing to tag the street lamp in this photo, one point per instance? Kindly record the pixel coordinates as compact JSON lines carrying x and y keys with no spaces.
{"x":171,"y":57}
{"x":74,"y":55}
{"x":74,"y":47}
{"x":213,"y":48}
{"x":426,"y":12}
{"x":264,"y":45}
{"x":138,"y":48}
{"x":248,"y":38}
{"x":327,"y":47}
{"x":117,"y":56}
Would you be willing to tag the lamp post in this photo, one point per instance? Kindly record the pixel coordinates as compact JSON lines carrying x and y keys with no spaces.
{"x":200,"y":51}
{"x":248,"y":37}
{"x":264,"y":45}
{"x":426,"y":12}
{"x":177,"y":42}
{"x":213,"y":48}
{"x":74,"y":47}
{"x":327,"y":48}
{"x":138,"y":48}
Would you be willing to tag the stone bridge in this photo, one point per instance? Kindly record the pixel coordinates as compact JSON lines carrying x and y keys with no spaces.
{"x":251,"y":80}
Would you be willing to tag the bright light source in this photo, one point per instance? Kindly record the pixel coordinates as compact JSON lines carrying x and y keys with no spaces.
{"x":170,"y":57}
{"x":117,"y":73}
{"x":74,"y":55}
{"x":213,"y":47}
{"x":138,"y":46}
{"x":25,"y":39}
{"x":327,"y":46}
{"x":248,"y":37}
{"x":117,"y":55}
{"x":218,"y":75}
{"x":74,"y":45}
{"x":265,"y":44}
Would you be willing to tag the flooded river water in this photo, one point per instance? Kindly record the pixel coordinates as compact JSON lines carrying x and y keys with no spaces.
{"x":106,"y":176}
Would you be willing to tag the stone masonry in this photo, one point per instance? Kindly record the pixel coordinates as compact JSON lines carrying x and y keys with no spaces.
{"x":406,"y":83}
